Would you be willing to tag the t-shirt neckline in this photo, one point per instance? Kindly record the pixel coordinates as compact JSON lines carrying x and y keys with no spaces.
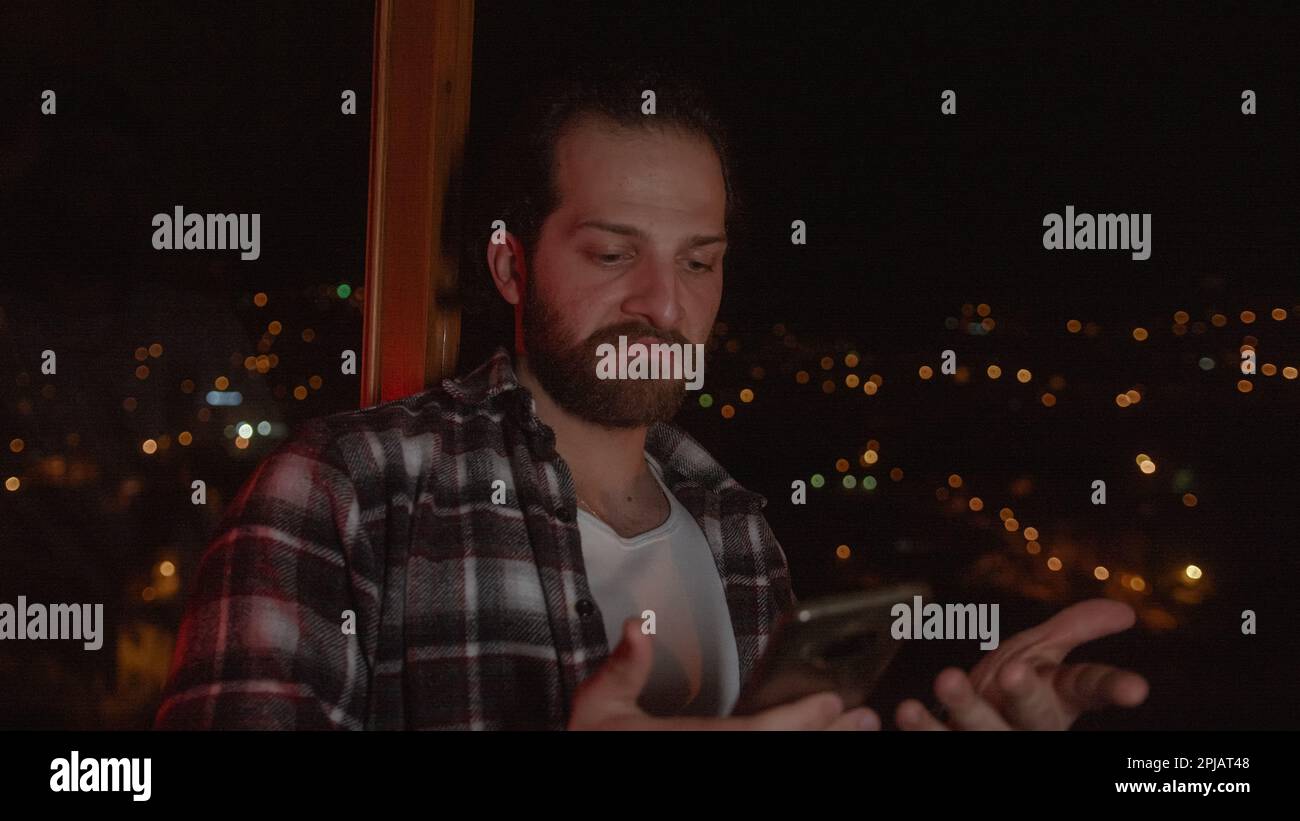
{"x":655,"y":534}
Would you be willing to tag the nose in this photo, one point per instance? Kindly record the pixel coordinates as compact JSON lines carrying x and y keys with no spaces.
{"x":654,"y":297}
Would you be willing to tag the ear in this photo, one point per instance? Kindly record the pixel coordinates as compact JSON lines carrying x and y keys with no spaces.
{"x":508,"y":269}
{"x":510,"y":275}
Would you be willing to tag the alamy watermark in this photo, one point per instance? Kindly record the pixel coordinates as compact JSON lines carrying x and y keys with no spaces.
{"x":77,"y":622}
{"x":1103,"y":232}
{"x":658,"y":360}
{"x":77,"y":774}
{"x":946,"y":621}
{"x":208,"y":232}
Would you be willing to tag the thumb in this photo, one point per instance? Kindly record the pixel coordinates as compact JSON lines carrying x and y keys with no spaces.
{"x":623,"y":676}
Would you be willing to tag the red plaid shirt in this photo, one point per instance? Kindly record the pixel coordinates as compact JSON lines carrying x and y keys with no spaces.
{"x":468,"y":614}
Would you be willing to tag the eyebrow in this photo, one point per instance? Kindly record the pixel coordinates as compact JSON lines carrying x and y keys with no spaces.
{"x":694,"y":241}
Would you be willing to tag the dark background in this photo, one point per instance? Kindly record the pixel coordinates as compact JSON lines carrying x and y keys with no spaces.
{"x":911,"y":217}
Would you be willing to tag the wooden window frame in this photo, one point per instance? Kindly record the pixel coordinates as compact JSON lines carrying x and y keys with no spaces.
{"x":419,"y":116}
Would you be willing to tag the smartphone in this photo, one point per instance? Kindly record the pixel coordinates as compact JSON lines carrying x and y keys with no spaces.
{"x":840,"y":643}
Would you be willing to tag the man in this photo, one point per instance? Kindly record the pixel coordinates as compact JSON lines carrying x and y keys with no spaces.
{"x":465,"y":558}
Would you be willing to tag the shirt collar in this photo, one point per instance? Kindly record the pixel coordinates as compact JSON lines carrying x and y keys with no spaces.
{"x":684,"y":460}
{"x":492,"y":378}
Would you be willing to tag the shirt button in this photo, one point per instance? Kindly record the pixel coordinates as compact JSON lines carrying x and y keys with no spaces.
{"x":585,"y":607}
{"x":564,"y":515}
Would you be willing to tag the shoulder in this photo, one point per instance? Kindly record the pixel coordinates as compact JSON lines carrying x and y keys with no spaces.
{"x":408,"y":416}
{"x":467,"y":407}
{"x":402,"y":431}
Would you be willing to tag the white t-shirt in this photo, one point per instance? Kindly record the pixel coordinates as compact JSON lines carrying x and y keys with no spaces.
{"x":671,"y":571}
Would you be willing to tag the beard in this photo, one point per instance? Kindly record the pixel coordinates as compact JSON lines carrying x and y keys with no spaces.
{"x":567,"y":370}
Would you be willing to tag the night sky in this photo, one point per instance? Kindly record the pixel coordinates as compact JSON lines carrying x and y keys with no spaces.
{"x":920,"y":228}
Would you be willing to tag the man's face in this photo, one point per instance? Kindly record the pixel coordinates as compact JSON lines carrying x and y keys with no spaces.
{"x":635,"y":248}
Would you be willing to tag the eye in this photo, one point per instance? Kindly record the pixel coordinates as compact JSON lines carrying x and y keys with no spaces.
{"x":609,"y":259}
{"x":703,"y":268}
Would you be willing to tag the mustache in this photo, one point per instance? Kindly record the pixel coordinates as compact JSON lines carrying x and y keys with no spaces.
{"x":633,"y":331}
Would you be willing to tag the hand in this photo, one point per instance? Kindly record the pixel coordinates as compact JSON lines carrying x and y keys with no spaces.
{"x":607,"y":700}
{"x":1023,"y":684}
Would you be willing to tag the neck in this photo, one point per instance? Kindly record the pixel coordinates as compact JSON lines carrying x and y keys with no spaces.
{"x":608,"y":464}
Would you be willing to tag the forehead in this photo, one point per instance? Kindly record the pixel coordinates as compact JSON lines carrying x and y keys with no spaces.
{"x":652,"y":174}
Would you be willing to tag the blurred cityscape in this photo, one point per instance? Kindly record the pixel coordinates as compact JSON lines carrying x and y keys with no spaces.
{"x":975,"y":471}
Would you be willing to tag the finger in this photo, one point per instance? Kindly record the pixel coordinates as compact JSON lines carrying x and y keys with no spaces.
{"x":815,"y":712}
{"x":966,"y":709}
{"x":912,"y":715}
{"x":1030,"y":702}
{"x":1053,"y":640}
{"x":621,"y":678}
{"x":862,"y":718}
{"x":1093,"y":686}
{"x":1087,"y":621}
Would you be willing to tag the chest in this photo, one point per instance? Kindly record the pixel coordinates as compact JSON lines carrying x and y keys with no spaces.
{"x":488,"y":619}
